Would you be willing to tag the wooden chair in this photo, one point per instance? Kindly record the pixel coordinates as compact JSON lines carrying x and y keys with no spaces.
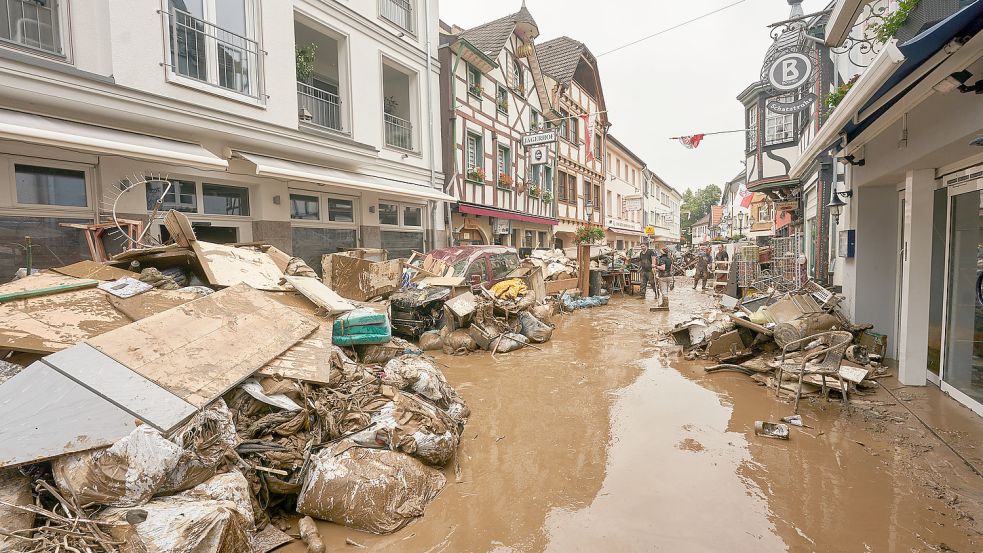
{"x":823,"y":362}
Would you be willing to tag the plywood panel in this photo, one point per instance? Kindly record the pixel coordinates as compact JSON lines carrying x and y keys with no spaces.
{"x":321,"y":295}
{"x":94,"y":270}
{"x":121,"y":386}
{"x":46,"y":414}
{"x":201,"y":349}
{"x":228,"y":266}
{"x":308,"y":359}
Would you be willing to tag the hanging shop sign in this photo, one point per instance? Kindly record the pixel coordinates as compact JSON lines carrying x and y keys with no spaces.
{"x":649,"y":230}
{"x":788,"y":205}
{"x":633,"y":203}
{"x":535,"y":139}
{"x":538,"y":155}
{"x":791,"y":75}
{"x":500,"y":226}
{"x":470,"y":224}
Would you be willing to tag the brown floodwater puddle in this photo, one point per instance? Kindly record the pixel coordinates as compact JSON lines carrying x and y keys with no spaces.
{"x":604,"y":442}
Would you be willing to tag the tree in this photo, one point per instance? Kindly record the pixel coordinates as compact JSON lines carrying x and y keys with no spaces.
{"x":697,"y":204}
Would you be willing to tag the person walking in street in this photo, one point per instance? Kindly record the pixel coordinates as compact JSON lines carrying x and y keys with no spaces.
{"x":646,"y":260}
{"x":703,"y":262}
{"x":664,"y":268}
{"x":722,"y":254}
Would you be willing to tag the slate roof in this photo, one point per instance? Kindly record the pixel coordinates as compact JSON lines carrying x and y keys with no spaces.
{"x":559,"y":57}
{"x":491,"y":37}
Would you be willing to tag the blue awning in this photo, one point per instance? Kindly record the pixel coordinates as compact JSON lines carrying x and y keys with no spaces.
{"x":918,"y":50}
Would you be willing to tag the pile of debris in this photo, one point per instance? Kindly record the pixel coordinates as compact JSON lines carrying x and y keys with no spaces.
{"x":189,"y":398}
{"x":797,"y":342}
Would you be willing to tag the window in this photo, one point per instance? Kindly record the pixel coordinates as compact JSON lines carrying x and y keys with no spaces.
{"x":619,"y":207}
{"x":474,"y":81}
{"x":778,"y":126}
{"x":475,"y":157}
{"x":752,"y":126}
{"x":587,"y":191}
{"x":341,"y":211}
{"x":502,"y":264}
{"x":518,"y":76}
{"x":534,"y":172}
{"x":534,"y":120}
{"x":182,"y":196}
{"x":388,"y":214}
{"x":412,"y":216}
{"x":763,"y":213}
{"x":209,"y":42}
{"x":561,"y":186}
{"x":572,"y":189}
{"x":504,"y":162}
{"x":502,"y":99}
{"x":32,"y":23}
{"x":597,"y":146}
{"x":398,"y":12}
{"x":542,"y":240}
{"x":225,"y":200}
{"x":597,"y":192}
{"x":574,"y":130}
{"x":305,"y":207}
{"x":548,"y":178}
{"x":564,"y":124}
{"x":529,"y":239}
{"x":50,"y":186}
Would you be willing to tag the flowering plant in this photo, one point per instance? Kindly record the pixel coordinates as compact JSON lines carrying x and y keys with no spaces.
{"x":834,"y":98}
{"x":505,"y":180}
{"x":475,"y":173}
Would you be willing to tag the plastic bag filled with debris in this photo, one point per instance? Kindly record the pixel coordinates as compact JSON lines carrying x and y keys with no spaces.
{"x":413,"y":426}
{"x":537,"y":331}
{"x":207,"y":444}
{"x":431,"y":340}
{"x":15,"y":489}
{"x":128,"y":473}
{"x":509,"y":342}
{"x":421,"y":376}
{"x":373,"y":490}
{"x":459,"y":342}
{"x":214,"y":517}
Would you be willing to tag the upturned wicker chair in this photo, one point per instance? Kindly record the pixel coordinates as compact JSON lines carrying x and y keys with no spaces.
{"x":824,"y":362}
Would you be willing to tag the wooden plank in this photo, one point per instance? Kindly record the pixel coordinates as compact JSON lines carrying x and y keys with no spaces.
{"x":451,"y":281}
{"x":151,"y":302}
{"x":748,"y":324}
{"x":308,"y":360}
{"x":200,"y":350}
{"x":92,"y":270}
{"x":46,"y":414}
{"x":853,"y":374}
{"x":122,"y":387}
{"x":321,"y":295}
{"x":179,"y":227}
{"x":557,"y":286}
{"x":227,"y":266}
{"x":48,"y":290}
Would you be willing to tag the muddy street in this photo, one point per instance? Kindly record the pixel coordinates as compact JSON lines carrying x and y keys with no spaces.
{"x":605,"y":441}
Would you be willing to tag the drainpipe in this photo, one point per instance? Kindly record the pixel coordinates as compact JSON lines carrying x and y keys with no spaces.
{"x":433,"y":207}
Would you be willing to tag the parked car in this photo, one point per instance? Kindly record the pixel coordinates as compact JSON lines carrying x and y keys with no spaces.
{"x":490,"y":264}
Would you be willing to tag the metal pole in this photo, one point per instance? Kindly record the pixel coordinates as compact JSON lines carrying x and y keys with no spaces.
{"x":29,"y":255}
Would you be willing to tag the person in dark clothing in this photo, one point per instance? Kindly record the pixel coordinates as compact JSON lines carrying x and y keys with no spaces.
{"x":702,"y":268}
{"x":722,"y":254}
{"x":664,"y":268}
{"x":646,"y":260}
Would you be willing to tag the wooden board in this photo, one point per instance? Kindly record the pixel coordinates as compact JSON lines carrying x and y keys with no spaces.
{"x":228,"y":266}
{"x":122,"y":387}
{"x":46,"y":414}
{"x":151,"y":302}
{"x":321,"y":295}
{"x":558,"y":286}
{"x":853,"y":374}
{"x":92,"y":270}
{"x":361,"y":280}
{"x":200,"y":350}
{"x":179,"y":227}
{"x":308,"y":360}
{"x":52,"y":323}
{"x":450,"y":282}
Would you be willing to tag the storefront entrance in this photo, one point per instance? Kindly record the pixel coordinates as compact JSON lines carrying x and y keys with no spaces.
{"x":962,"y":360}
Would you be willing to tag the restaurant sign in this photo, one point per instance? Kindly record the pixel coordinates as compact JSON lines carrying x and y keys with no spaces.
{"x":535,"y":139}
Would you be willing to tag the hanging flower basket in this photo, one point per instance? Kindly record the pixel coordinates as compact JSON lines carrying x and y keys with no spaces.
{"x":534,"y":191}
{"x":475,"y":174}
{"x":520,"y":186}
{"x":547,"y":196}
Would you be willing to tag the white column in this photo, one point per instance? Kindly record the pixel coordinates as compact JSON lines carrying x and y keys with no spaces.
{"x":917,"y":274}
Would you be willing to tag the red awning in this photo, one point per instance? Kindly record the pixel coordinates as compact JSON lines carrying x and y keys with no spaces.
{"x":488,"y":212}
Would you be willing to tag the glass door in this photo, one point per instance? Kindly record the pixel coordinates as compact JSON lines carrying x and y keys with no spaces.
{"x":962,"y":373}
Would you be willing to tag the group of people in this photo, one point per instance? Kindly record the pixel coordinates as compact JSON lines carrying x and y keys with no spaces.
{"x":656,"y":269}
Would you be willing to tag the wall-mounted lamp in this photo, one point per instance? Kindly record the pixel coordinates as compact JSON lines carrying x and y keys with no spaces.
{"x":852,"y":160}
{"x":836,"y":205}
{"x":304,"y":115}
{"x":276,"y":200}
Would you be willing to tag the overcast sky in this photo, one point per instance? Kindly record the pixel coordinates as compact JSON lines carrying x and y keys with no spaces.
{"x":680,"y":83}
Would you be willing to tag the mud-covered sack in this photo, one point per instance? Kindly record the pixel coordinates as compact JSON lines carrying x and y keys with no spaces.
{"x":214,"y":517}
{"x":459,"y":342}
{"x":421,"y":376}
{"x":544,"y":312}
{"x":431,"y":341}
{"x":15,"y":489}
{"x":207,"y":445}
{"x":373,"y":490}
{"x":534,"y":329}
{"x":127,"y":473}
{"x":508,"y":342}
{"x":413,"y":426}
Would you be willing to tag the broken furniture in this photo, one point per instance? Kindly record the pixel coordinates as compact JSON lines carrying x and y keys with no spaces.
{"x":94,"y":235}
{"x":824,"y":362}
{"x":417,"y":310}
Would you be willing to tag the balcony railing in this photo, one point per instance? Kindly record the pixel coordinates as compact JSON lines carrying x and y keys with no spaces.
{"x":213,"y":55}
{"x":399,"y":12}
{"x":31,"y":23}
{"x":399,"y":132}
{"x":324,"y":106}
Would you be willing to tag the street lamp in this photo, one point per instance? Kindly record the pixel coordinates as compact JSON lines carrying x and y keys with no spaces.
{"x":836,"y":205}
{"x":589,"y":211}
{"x":741,"y":219}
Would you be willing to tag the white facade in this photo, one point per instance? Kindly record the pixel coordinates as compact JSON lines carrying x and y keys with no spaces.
{"x":622,"y":188}
{"x":222,"y":75}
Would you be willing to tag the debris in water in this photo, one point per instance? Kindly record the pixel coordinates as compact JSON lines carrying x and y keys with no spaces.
{"x":771,"y":430}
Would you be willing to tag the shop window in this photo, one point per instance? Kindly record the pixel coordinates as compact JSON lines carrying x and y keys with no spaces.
{"x":310,"y":243}
{"x":542,"y":240}
{"x":529,"y":240}
{"x":341,"y":211}
{"x":50,"y":186}
{"x":225,"y":200}
{"x":182,"y":195}
{"x":412,"y":216}
{"x":61,"y":245}
{"x":402,"y":243}
{"x":388,"y":214}
{"x":305,"y":207}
